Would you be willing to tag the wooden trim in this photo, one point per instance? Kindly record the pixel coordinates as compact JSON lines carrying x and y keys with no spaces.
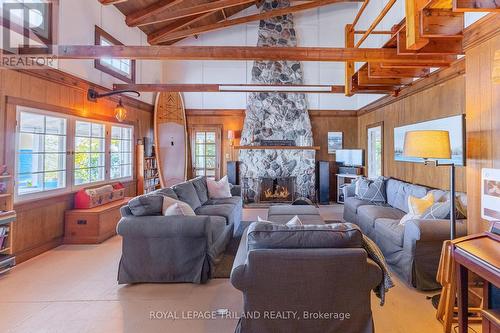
{"x":482,"y":30}
{"x":98,"y":33}
{"x":377,"y":124}
{"x":69,"y":80}
{"x":436,"y":78}
{"x":37,"y":250}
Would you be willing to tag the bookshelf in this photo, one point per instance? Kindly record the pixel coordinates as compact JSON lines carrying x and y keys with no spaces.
{"x":7,"y":217}
{"x":147,"y":172}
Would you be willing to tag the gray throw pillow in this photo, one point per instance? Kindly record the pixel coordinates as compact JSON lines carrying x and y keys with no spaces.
{"x":167,"y":192}
{"x":200,"y":185}
{"x":438,"y":211}
{"x":187,"y":193}
{"x":371,"y":190}
{"x":146,"y":205}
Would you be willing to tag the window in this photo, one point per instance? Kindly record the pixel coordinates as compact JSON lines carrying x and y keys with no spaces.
{"x":58,"y":154}
{"x":89,"y":153}
{"x":375,"y":150}
{"x":123,"y":69}
{"x":41,"y":153}
{"x":121,"y":152}
{"x":206,"y":152}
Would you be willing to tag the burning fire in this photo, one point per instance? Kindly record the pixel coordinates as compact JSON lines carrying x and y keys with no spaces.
{"x":281,"y":192}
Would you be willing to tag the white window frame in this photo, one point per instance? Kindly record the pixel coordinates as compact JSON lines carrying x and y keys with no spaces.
{"x":370,"y":154}
{"x":121,"y":152}
{"x":70,"y":154}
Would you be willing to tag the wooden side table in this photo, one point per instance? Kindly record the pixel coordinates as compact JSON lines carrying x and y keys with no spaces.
{"x":93,"y":225}
{"x":479,"y":254}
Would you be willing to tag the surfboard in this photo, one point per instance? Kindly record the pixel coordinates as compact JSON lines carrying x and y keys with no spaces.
{"x":171,"y":143}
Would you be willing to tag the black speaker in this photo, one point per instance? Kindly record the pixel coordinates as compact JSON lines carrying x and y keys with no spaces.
{"x":323,"y":182}
{"x":233,"y":172}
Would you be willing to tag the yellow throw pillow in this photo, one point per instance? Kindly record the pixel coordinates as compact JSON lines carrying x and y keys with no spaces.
{"x":417,"y":207}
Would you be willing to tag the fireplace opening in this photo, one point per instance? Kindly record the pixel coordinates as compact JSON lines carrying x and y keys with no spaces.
{"x":277,"y":189}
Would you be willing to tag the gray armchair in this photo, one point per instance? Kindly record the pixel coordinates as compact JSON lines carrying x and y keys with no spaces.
{"x":170,"y":248}
{"x":302,"y":282}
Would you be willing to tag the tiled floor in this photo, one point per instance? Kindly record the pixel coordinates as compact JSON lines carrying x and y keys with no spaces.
{"x":73,"y":289}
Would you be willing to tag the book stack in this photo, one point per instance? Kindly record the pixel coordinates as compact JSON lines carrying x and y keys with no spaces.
{"x":4,"y":233}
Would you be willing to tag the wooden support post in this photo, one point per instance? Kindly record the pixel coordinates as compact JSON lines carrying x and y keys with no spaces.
{"x":349,"y":65}
{"x":413,"y":11}
{"x":441,"y":23}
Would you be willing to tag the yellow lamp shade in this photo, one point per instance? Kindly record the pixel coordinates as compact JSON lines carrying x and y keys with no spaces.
{"x":427,"y":144}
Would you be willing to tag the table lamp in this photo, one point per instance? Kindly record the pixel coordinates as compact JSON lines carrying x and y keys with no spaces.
{"x":432,"y":146}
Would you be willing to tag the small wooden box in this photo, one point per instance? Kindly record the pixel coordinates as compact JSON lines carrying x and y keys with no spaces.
{"x":93,"y":225}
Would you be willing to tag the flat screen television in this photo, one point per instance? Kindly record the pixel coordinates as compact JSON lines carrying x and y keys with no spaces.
{"x":351,"y":157}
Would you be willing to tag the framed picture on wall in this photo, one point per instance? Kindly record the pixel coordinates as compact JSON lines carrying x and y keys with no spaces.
{"x":455,"y":125}
{"x":335,"y":141}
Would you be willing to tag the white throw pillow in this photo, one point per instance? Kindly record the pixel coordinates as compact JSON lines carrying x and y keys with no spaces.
{"x":294,"y":222}
{"x":172,"y":207}
{"x":219,"y":189}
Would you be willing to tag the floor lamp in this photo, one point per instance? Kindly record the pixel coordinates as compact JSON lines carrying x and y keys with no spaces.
{"x":433,"y":146}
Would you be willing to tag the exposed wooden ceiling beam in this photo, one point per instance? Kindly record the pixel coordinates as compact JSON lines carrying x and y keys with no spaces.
{"x":246,"y":53}
{"x":185,"y":12}
{"x":200,"y":87}
{"x":376,"y":71}
{"x":150,"y":11}
{"x":164,"y":35}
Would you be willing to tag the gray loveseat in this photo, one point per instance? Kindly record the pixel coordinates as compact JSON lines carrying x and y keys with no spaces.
{"x":160,"y":248}
{"x":315,"y":270}
{"x":413,"y":249}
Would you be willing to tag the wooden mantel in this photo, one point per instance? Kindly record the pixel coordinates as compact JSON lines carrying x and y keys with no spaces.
{"x":277,"y":147}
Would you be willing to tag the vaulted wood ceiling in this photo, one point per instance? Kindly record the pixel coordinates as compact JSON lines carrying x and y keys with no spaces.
{"x":168,"y":21}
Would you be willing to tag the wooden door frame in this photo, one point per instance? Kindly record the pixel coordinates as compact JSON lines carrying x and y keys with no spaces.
{"x":368,"y":127}
{"x":218,"y":145}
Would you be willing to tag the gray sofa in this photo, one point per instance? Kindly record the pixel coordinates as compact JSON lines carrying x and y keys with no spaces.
{"x":413,"y":249}
{"x":319,"y":270}
{"x":160,"y":248}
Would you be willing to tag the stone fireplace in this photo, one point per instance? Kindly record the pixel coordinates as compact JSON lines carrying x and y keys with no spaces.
{"x":277,"y":116}
{"x":280,"y":190}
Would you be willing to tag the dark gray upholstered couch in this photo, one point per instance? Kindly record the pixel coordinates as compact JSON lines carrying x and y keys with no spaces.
{"x":160,"y":248}
{"x":319,"y":271}
{"x":413,"y":249}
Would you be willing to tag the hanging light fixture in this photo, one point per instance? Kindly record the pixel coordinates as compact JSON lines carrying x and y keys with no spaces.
{"x":120,"y":111}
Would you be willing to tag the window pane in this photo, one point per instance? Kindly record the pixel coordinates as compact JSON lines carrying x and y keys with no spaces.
{"x":211,"y":137}
{"x":82,"y":145}
{"x":55,"y":162}
{"x":200,"y":149}
{"x":121,"y":152}
{"x":210,"y":150}
{"x":116,"y":132}
{"x":97,"y":130}
{"x":200,"y":137}
{"x":211,"y":173}
{"x":30,"y":143}
{"x":30,"y":163}
{"x":82,"y":176}
{"x":97,"y":145}
{"x":97,"y":160}
{"x":82,"y":129}
{"x":33,"y":123}
{"x":127,"y":133}
{"x":54,"y":180}
{"x":200,"y":162}
{"x":96,"y":174}
{"x":82,"y":160}
{"x":200,"y":172}
{"x":55,"y":125}
{"x":30,"y":183}
{"x":55,"y":143}
{"x":210,"y":162}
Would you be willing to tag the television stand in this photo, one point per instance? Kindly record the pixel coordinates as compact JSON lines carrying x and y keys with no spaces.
{"x":343,"y":179}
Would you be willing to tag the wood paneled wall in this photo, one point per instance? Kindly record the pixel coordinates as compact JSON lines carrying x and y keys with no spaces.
{"x":40,"y":224}
{"x":483,"y":113}
{"x":437,"y":101}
